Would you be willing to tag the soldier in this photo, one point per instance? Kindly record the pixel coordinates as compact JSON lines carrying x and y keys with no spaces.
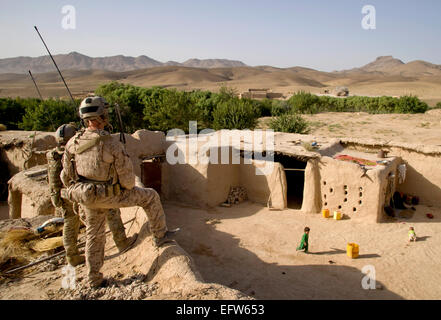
{"x":98,"y":173}
{"x":68,"y":210}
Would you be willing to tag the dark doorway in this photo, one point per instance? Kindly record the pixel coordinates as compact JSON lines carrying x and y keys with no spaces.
{"x":295,"y":179}
{"x":4,"y":178}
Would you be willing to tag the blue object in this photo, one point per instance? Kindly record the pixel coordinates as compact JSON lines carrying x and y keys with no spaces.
{"x":40,"y":229}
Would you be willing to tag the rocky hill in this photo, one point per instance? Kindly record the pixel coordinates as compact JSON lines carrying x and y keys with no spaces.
{"x":78,"y":61}
{"x":388,"y":65}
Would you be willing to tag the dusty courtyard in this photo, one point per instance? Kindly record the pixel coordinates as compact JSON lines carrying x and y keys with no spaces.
{"x":252,"y":249}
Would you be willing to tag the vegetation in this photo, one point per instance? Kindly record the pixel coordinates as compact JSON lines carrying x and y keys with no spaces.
{"x":292,"y":123}
{"x":438,"y":105}
{"x":48,"y":115}
{"x":164,"y":109}
{"x":235,"y":114}
{"x":303,"y":102}
{"x":12,"y":111}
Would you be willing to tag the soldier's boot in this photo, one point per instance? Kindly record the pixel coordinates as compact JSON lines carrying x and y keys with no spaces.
{"x":76,"y":260}
{"x":97,"y":281}
{"x":166,"y":238}
{"x":130,"y":241}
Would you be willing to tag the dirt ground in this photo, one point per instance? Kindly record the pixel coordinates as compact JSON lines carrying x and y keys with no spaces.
{"x":251,"y":249}
{"x":423,"y":129}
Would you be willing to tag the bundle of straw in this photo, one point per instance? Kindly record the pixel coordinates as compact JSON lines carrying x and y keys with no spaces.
{"x":46,"y":244}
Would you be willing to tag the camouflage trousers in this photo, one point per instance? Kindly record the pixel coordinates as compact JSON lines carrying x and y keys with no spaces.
{"x":95,"y":242}
{"x":70,"y":228}
{"x":72,"y":225}
{"x":95,"y":202}
{"x":94,"y":197}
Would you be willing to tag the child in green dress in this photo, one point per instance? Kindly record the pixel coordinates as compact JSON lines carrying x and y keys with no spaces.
{"x":412,"y":235}
{"x":304,"y":242}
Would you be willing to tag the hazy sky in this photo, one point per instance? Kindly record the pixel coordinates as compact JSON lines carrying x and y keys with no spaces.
{"x":325,"y":35}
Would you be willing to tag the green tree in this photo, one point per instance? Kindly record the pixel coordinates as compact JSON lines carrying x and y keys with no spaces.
{"x":13,"y":110}
{"x":304,"y":102}
{"x":292,"y":123}
{"x":172,"y":109}
{"x":235,"y":114}
{"x":410,"y":104}
{"x":48,"y":115}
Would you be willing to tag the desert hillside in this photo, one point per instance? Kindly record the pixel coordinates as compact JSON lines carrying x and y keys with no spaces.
{"x":384,"y":76}
{"x":78,"y":61}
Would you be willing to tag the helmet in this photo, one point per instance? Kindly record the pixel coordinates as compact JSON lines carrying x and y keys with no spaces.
{"x":93,"y":107}
{"x":65,"y":132}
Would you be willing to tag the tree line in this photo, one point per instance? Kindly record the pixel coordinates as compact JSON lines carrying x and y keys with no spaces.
{"x":163,"y":109}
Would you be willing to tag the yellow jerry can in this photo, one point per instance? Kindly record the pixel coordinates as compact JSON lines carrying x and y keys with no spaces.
{"x":337,"y":215}
{"x":352,"y":249}
{"x":325,"y":213}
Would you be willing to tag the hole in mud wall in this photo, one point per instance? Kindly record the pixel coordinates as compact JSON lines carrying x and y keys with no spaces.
{"x":4,"y":178}
{"x":295,"y":179}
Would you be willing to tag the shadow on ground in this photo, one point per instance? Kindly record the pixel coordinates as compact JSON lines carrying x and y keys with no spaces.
{"x":221,"y":259}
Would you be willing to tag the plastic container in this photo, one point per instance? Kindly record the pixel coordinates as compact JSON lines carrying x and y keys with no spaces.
{"x":41,"y":228}
{"x":325,"y":213}
{"x":337,"y":215}
{"x":352,"y":250}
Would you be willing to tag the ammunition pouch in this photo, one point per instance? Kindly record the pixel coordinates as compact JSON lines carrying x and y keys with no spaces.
{"x":86,"y":192}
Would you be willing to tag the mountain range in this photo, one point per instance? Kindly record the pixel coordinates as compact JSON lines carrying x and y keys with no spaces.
{"x":119,"y":63}
{"x":385,"y":75}
{"x":384,"y":65}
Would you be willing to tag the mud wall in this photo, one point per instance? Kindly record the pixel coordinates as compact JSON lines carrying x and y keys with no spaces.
{"x":423,"y":177}
{"x":312,"y":200}
{"x":170,"y":266}
{"x":21,"y":150}
{"x":347,"y":187}
{"x":143,"y":143}
{"x":194,"y":182}
{"x":265,"y":189}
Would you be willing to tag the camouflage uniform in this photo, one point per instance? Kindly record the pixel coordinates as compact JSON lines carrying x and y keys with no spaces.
{"x":63,"y":207}
{"x":99,"y":175}
{"x":68,"y":210}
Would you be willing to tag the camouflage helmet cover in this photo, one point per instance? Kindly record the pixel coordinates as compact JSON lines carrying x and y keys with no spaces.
{"x":65,"y":132}
{"x":93,"y":107}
